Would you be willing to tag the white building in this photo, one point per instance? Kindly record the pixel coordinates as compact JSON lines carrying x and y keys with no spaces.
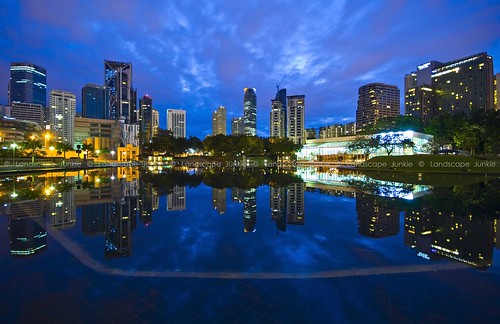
{"x":130,"y":134}
{"x":62,"y":112}
{"x":176,"y":122}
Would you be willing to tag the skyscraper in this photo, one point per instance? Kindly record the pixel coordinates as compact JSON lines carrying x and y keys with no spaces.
{"x":28,"y":84}
{"x":496,"y":91}
{"x":281,"y":96}
{"x":176,"y":122}
{"x":376,"y":101}
{"x":118,"y":79}
{"x":155,"y":121}
{"x":277,"y":120}
{"x":250,"y":111}
{"x":146,"y":118}
{"x":219,"y":121}
{"x":95,"y":101}
{"x":295,"y":118}
{"x":464,"y":85}
{"x":237,"y":126}
{"x":62,"y":112}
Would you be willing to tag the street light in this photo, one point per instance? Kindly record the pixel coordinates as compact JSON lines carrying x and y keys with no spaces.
{"x":13,"y":145}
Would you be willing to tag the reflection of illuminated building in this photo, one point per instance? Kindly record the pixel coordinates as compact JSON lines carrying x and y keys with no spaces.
{"x":27,"y":228}
{"x":456,"y":235}
{"x":147,"y":201}
{"x":93,"y":218}
{"x":237,"y":194}
{"x":62,"y":210}
{"x":374,"y":219}
{"x":219,"y":200}
{"x":277,"y":201}
{"x":295,"y":204}
{"x":118,"y":229}
{"x":250,"y":210}
{"x":176,"y":200}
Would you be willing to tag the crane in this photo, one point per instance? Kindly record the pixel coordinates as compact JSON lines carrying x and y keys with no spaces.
{"x":278,"y":84}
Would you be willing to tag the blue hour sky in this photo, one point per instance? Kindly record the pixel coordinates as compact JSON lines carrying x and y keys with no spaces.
{"x":197,"y":55}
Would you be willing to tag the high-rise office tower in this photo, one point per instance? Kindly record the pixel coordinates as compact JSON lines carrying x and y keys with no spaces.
{"x":146,"y":118}
{"x":62,"y":112}
{"x":281,"y":96}
{"x":250,"y":210}
{"x":464,"y":85}
{"x":277,"y":120}
{"x":219,"y":121}
{"x":237,"y":126}
{"x":419,"y":102}
{"x":95,"y":101}
{"x":250,"y":111}
{"x":28,"y":83}
{"x":295,"y":118}
{"x":176,"y":122}
{"x":376,"y":101}
{"x":118,"y":79}
{"x":155,"y":122}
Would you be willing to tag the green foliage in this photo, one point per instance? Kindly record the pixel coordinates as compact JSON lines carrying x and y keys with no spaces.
{"x":32,"y":144}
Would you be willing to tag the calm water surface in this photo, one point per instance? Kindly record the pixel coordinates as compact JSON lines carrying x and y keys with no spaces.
{"x":245,"y":225}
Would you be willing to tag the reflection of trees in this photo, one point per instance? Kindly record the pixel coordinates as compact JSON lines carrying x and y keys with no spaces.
{"x":384,"y":189}
{"x":164,"y":182}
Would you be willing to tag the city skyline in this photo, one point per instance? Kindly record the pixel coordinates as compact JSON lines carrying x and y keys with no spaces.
{"x":200,"y":59}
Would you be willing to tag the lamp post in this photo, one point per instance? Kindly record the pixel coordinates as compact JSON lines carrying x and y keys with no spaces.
{"x":112,"y":154}
{"x":13,"y":145}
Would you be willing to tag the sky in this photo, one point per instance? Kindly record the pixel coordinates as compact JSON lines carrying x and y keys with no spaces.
{"x":198,"y":55}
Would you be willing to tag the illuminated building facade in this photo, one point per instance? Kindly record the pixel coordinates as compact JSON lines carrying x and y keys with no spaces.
{"x":28,"y":83}
{"x":250,"y":111}
{"x":100,"y":133}
{"x":295,"y":118}
{"x":95,"y":101}
{"x":464,"y":85}
{"x":219,"y":121}
{"x":146,"y":118}
{"x":28,"y":112}
{"x":237,"y":126}
{"x":155,"y":122}
{"x":176,"y":122}
{"x":376,"y":101}
{"x":277,"y":202}
{"x":277,"y":119}
{"x":123,"y":98}
{"x":250,"y":210}
{"x":62,"y":112}
{"x":337,"y":130}
{"x":496,"y":91}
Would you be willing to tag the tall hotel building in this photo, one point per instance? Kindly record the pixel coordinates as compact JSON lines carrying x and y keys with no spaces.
{"x":62,"y":112}
{"x":219,"y":121}
{"x":250,"y":111}
{"x":118,"y":79}
{"x":28,"y":84}
{"x":295,"y":119}
{"x":376,"y":101}
{"x":95,"y":101}
{"x":176,"y":122}
{"x":461,"y":85}
{"x":464,"y":85}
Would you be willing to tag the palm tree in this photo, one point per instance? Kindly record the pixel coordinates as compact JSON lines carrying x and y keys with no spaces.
{"x":86,"y":148}
{"x":32,"y":144}
{"x":63,"y":148}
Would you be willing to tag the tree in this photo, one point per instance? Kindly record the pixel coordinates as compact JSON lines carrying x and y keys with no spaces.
{"x":468,"y":137}
{"x":32,"y":144}
{"x":62,"y":148}
{"x":390,"y":141}
{"x":367,"y":145}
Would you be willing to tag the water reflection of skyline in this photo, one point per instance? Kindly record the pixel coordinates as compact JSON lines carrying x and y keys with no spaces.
{"x":112,"y":202}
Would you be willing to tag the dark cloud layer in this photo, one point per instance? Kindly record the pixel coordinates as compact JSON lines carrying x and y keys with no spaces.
{"x":199,"y":55}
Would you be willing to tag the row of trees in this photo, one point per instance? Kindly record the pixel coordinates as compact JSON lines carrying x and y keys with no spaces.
{"x":222,"y":145}
{"x":388,"y":142}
